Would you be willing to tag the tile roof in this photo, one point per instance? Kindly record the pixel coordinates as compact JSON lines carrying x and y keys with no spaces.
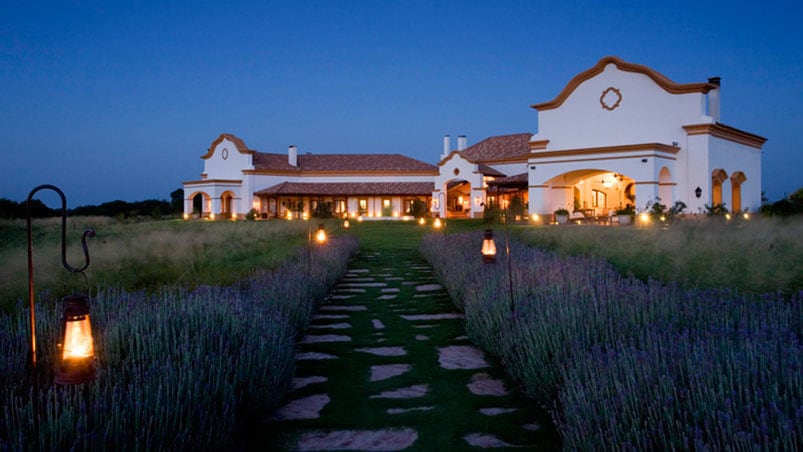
{"x":341,"y":163}
{"x":348,"y":189}
{"x":503,"y":147}
{"x":509,"y":181}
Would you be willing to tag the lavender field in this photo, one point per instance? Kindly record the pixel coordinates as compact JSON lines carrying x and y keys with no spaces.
{"x":629,"y":364}
{"x":180,"y":370}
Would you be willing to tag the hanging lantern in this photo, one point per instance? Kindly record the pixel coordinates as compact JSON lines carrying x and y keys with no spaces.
{"x":488,"y":247}
{"x":75,"y":365}
{"x":320,"y":236}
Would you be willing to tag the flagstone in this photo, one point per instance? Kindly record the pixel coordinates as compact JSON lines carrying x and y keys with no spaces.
{"x":365,"y":440}
{"x":348,"y":290}
{"x":340,"y":297}
{"x":534,"y":427}
{"x":329,"y":316}
{"x":378,"y":324}
{"x":314,"y":356}
{"x":304,"y":408}
{"x":409,"y":392}
{"x":421,"y":337}
{"x":390,"y":289}
{"x":444,"y":316}
{"x":337,"y":307}
{"x":486,"y":441}
{"x":358,"y":270}
{"x":362,"y":284}
{"x":386,"y":297}
{"x":461,"y":357}
{"x":303,"y":382}
{"x":496,"y":411}
{"x":315,"y":338}
{"x":407,"y":410}
{"x":385,"y":371}
{"x":332,"y":326}
{"x":428,"y":287}
{"x":384,"y":351}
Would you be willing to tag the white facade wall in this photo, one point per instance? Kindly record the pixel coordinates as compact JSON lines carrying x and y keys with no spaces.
{"x":454,"y":168}
{"x":646,"y":114}
{"x":733,"y":157}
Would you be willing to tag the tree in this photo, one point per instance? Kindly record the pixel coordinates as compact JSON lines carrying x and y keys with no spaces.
{"x":177,"y":200}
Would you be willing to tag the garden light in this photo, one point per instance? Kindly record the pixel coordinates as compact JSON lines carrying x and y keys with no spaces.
{"x":437,"y":224}
{"x":644,"y":218}
{"x":422,"y":221}
{"x":746,"y":216}
{"x":77,"y":347}
{"x":346,"y":224}
{"x":75,"y":363}
{"x":320,"y":236}
{"x":488,"y":247}
{"x":289,"y":215}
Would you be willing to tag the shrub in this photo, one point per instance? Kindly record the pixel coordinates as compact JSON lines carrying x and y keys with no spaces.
{"x":630,"y":364}
{"x":176,"y":371}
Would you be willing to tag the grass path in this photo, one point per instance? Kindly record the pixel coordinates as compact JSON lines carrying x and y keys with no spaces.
{"x":387,"y":365}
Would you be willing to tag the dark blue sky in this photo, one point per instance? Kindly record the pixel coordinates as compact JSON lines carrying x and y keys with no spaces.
{"x":118,"y":101}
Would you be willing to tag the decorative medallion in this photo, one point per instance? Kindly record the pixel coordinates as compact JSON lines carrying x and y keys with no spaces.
{"x":456,"y":171}
{"x":225,"y":153}
{"x":610,"y":98}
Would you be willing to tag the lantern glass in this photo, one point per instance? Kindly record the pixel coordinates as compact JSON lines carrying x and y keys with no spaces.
{"x":320,"y":236}
{"x":488,"y":247}
{"x":77,"y":350}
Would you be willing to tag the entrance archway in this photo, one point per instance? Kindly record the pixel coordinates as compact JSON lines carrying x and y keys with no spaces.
{"x":718,"y":176}
{"x":593,"y":192}
{"x":458,"y":198}
{"x":737,"y":178}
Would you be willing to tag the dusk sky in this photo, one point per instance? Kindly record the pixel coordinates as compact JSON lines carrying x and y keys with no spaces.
{"x":118,"y":100}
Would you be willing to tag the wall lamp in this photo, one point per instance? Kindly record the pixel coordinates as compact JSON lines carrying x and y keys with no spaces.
{"x":698,"y":192}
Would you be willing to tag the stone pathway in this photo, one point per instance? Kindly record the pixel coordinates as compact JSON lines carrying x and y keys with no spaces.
{"x":386,"y":365}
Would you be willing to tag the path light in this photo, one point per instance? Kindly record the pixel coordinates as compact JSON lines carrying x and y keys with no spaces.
{"x":75,"y":363}
{"x":437,"y":223}
{"x":488,"y":247}
{"x":346,"y":224}
{"x":77,"y":349}
{"x":320,"y":236}
{"x":422,"y":221}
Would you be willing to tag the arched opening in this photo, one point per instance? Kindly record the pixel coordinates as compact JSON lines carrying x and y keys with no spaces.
{"x":594,"y":192}
{"x":665,"y":186}
{"x":226,"y":204}
{"x":458,"y":198}
{"x":737,"y":178}
{"x":201,"y":205}
{"x":718,"y":176}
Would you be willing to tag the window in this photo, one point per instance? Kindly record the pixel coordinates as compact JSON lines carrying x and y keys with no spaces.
{"x":362,"y":205}
{"x":599,"y":198}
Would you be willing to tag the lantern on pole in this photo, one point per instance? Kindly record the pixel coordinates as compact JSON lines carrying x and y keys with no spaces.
{"x":488,"y":247}
{"x":320,"y":236}
{"x":75,"y":362}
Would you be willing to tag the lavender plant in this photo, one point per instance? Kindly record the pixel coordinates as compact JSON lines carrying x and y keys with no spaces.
{"x":177,"y":371}
{"x":629,"y":364}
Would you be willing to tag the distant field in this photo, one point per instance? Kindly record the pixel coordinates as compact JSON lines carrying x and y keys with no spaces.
{"x":142,"y":256}
{"x":756,"y":255}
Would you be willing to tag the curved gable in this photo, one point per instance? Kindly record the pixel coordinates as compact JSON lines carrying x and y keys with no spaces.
{"x":238,"y":143}
{"x":660,"y":79}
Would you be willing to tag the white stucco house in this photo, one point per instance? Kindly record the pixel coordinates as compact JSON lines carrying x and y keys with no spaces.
{"x":618,"y":134}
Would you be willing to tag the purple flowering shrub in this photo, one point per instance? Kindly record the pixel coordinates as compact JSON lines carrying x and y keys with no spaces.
{"x":630,"y":364}
{"x":177,"y":371}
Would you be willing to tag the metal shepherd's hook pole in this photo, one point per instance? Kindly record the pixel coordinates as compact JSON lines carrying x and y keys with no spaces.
{"x":87,"y":233}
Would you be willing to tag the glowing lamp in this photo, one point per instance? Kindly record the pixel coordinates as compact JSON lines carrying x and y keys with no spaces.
{"x":320,"y":236}
{"x":211,"y":216}
{"x":346,"y":224}
{"x":359,"y":219}
{"x":422,"y":221}
{"x":644,"y":218}
{"x":488,"y":247}
{"x":437,"y":223}
{"x":305,"y":216}
{"x":746,"y":216}
{"x":186,"y":216}
{"x":75,"y":365}
{"x":727,"y":216}
{"x":289,"y":215}
{"x":535,"y":217}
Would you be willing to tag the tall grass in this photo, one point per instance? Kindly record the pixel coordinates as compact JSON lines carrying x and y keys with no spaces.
{"x":630,"y":364}
{"x":179,"y":370}
{"x":759,"y":255}
{"x":143,"y":256}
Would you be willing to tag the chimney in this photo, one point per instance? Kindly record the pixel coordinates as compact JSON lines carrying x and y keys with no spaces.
{"x":446,"y":146}
{"x":713,"y":98}
{"x":292,"y":155}
{"x":461,"y":142}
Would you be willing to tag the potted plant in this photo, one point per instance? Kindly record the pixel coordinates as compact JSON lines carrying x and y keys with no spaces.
{"x":562,"y":216}
{"x":625,"y":215}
